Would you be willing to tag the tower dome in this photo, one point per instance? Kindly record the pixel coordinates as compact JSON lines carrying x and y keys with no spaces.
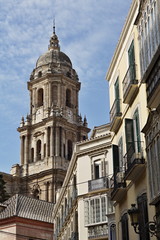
{"x":53,"y":55}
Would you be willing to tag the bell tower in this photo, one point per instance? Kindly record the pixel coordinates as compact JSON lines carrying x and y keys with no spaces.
{"x":49,"y":132}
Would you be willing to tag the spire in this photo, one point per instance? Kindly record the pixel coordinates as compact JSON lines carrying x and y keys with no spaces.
{"x":54,"y":26}
{"x":54,"y":42}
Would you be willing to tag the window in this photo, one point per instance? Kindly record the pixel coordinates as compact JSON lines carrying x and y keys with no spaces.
{"x":120,"y":151}
{"x":38,"y":149}
{"x":32,"y":154}
{"x":132,"y":130}
{"x":113,"y":232}
{"x":115,"y":153}
{"x":36,"y":193}
{"x":131,"y":60}
{"x":124,"y":226}
{"x":69,"y":149}
{"x":40,"y":74}
{"x":68,"y":98}
{"x":117,"y":98}
{"x":137,"y":131}
{"x":40,"y":97}
{"x":95,"y":210}
{"x":143,"y":217}
{"x":97,"y":169}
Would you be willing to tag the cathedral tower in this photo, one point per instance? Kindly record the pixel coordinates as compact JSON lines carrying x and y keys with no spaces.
{"x":53,"y":126}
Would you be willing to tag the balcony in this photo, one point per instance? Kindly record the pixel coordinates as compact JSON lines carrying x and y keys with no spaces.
{"x":115,"y":115}
{"x":134,"y":162}
{"x":153,"y":87}
{"x":98,"y":232}
{"x":119,"y":186}
{"x":130,"y":85}
{"x":98,"y":184}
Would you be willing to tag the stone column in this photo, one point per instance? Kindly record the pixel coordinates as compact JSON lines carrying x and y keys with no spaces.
{"x":26,"y":150}
{"x":46,"y":142}
{"x":22,"y":149}
{"x":42,"y":147}
{"x":49,"y":94}
{"x":57,"y":141}
{"x":51,"y":141}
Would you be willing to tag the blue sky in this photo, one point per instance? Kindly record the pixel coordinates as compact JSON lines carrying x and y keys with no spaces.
{"x":88,"y":31}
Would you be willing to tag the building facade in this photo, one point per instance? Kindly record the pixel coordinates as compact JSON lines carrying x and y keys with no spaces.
{"x":84,"y":210}
{"x":49,"y":132}
{"x":148,"y":24}
{"x":128,"y":115}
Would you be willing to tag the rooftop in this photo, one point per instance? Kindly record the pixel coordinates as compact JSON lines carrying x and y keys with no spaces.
{"x":27,"y":207}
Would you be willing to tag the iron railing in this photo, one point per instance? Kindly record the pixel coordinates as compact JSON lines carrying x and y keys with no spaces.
{"x":129,"y":79}
{"x":99,"y":183}
{"x":115,"y":110}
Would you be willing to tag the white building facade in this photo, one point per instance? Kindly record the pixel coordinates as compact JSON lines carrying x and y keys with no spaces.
{"x":84,"y":210}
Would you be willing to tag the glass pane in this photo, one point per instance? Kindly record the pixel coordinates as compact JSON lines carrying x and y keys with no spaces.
{"x":97,"y":210}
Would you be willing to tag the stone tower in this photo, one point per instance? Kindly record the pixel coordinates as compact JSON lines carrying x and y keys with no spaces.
{"x":53,"y":126}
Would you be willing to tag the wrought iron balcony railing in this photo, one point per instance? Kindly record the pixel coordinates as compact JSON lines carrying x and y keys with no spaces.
{"x":134,"y":154}
{"x":134,"y":160}
{"x":97,"y":184}
{"x":129,"y":82}
{"x":115,"y":110}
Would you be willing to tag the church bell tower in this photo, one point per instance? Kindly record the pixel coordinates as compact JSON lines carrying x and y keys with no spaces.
{"x":49,"y":132}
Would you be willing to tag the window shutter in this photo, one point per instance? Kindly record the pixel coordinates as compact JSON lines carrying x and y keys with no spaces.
{"x":92,"y":171}
{"x":143,"y":218}
{"x":124,"y":225}
{"x":116,"y":87}
{"x":115,"y":153}
{"x":103,"y":167}
{"x":129,"y":135}
{"x":131,"y":58}
{"x":137,"y":126}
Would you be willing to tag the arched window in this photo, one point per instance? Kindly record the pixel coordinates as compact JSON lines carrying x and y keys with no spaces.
{"x":40,"y":97}
{"x":68,"y":98}
{"x":32,"y":154}
{"x":39,"y":150}
{"x":39,"y":74}
{"x":69,"y":149}
{"x":36,"y":194}
{"x":113,"y":231}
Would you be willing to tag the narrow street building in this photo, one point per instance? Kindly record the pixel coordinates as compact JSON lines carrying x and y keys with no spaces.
{"x":128,"y":115}
{"x":84,"y":210}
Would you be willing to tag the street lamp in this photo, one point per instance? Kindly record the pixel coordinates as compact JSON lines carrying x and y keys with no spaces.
{"x":151,"y":227}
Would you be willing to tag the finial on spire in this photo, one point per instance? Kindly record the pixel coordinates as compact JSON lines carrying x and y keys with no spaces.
{"x":54,"y":26}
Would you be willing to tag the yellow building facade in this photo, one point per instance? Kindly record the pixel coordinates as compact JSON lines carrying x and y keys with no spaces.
{"x":128,"y":115}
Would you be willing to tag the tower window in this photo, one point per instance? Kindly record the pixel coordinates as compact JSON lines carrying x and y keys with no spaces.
{"x":40,"y":97}
{"x":39,"y":150}
{"x":68,"y":98}
{"x":32,"y":154}
{"x":39,"y":74}
{"x":69,"y":149}
{"x":36,"y":194}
